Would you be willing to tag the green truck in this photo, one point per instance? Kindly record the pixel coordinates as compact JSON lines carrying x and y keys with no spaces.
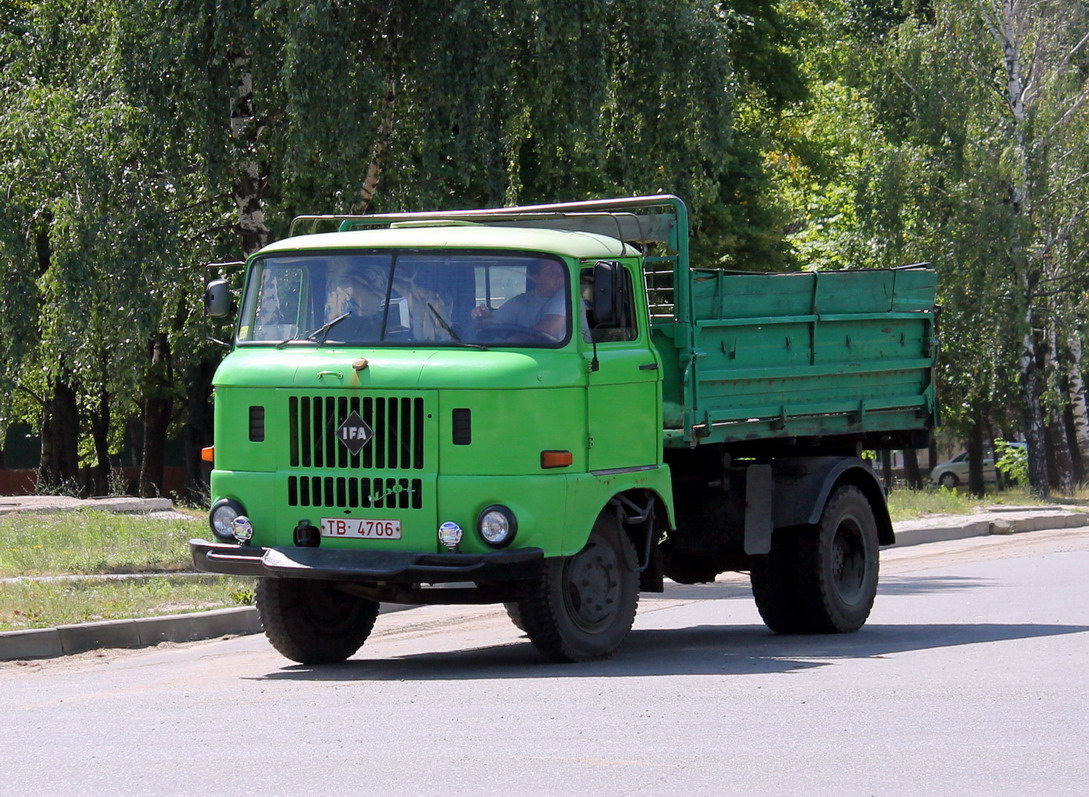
{"x":550,"y":408}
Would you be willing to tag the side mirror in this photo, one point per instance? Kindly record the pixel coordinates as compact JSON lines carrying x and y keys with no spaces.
{"x":607,"y":301}
{"x":217,"y":299}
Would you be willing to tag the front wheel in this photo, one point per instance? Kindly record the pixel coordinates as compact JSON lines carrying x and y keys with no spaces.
{"x":949,"y":480}
{"x":584,"y":605}
{"x":313,"y":622}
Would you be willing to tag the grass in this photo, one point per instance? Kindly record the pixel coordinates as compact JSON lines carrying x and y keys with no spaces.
{"x":911,"y":504}
{"x":45,"y":604}
{"x":94,"y":544}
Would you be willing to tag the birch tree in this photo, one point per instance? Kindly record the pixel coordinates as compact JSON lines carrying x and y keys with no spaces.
{"x":1044,"y":88}
{"x":987,"y":99}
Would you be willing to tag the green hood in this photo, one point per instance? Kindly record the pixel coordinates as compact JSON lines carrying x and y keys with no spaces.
{"x":398,"y":369}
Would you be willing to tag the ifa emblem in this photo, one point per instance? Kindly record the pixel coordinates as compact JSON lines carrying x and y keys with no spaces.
{"x":354,"y":433}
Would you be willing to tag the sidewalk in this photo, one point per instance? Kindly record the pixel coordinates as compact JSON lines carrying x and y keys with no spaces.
{"x":50,"y":504}
{"x":143,"y":632}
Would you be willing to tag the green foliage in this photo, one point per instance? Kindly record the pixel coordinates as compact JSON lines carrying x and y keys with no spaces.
{"x":129,"y":143}
{"x":1012,"y":461}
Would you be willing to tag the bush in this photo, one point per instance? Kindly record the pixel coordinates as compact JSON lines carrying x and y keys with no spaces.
{"x":1012,"y":461}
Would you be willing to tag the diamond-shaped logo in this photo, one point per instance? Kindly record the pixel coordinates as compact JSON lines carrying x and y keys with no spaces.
{"x":354,"y":433}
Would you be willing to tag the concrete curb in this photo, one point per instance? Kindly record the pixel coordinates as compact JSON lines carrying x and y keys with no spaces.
{"x":42,"y":643}
{"x":1014,"y":521}
{"x":67,"y":639}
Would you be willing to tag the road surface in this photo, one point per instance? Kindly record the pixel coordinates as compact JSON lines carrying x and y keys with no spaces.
{"x":972,"y":676}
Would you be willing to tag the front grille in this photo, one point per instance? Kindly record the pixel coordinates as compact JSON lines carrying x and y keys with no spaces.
{"x":397,"y":423}
{"x":347,"y":492}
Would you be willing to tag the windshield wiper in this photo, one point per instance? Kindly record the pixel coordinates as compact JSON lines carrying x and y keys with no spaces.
{"x":323,"y":329}
{"x":450,"y":330}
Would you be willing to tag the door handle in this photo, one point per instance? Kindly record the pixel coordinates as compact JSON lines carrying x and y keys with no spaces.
{"x":649,"y":367}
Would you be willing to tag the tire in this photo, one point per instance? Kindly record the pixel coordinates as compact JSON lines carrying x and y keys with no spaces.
{"x":774,"y":585}
{"x":822,"y":579}
{"x":312,"y":622}
{"x":949,"y":480}
{"x":583,"y":606}
{"x":515,"y":615}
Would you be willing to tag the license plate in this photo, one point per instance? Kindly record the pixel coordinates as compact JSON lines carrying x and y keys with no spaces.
{"x":361,"y":529}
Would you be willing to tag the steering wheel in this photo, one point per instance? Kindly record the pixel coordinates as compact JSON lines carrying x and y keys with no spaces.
{"x":512,"y":332}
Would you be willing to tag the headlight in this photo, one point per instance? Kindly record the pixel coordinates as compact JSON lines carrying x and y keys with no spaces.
{"x":222,"y":515}
{"x":497,"y":526}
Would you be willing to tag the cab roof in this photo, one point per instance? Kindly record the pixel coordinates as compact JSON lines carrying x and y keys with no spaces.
{"x":459,"y":235}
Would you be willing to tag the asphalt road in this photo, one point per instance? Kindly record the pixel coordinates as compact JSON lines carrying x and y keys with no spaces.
{"x":971,"y":677}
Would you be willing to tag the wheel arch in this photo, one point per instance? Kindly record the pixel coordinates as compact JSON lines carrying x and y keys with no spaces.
{"x":802,"y":492}
{"x":644,"y":516}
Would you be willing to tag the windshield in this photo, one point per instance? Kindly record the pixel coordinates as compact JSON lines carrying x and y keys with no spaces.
{"x":392,"y":298}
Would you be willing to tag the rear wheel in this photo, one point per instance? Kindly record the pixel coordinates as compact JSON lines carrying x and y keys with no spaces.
{"x":840,"y":564}
{"x":584,"y":605}
{"x":312,"y":622}
{"x":822,"y":579}
{"x":949,"y":480}
{"x":774,"y":584}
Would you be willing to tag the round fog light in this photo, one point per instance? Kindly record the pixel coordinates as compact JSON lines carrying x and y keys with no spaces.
{"x":497,"y":526}
{"x":222,"y":516}
{"x":242,"y":529}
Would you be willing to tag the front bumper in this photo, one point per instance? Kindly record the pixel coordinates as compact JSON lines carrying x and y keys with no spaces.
{"x":383,"y":567}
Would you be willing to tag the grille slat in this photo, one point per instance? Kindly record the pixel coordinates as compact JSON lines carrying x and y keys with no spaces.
{"x":355,"y":492}
{"x":397,"y":423}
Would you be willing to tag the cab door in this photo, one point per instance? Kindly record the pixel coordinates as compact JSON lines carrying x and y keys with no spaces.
{"x":624,"y":384}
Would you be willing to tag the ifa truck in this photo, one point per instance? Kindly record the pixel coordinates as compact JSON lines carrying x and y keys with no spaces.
{"x":549,"y":407}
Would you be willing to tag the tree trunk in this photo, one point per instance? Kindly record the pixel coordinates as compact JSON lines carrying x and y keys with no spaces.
{"x":249,"y":178}
{"x":931,"y":454}
{"x":157,"y":407}
{"x":99,"y":477}
{"x":1060,"y":460}
{"x":912,"y":474}
{"x":975,"y":456}
{"x":58,"y":469}
{"x":381,"y":141}
{"x":198,"y":428}
{"x":1077,"y":408}
{"x":1033,"y":416}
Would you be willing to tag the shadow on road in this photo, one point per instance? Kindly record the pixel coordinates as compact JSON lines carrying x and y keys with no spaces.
{"x":890,"y":585}
{"x":700,"y":650}
{"x":919,"y":585}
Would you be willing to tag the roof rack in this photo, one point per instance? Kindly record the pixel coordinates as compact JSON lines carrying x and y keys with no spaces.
{"x":637,"y":220}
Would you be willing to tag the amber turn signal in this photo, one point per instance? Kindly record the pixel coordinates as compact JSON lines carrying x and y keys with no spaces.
{"x":208,"y":454}
{"x":556,"y":459}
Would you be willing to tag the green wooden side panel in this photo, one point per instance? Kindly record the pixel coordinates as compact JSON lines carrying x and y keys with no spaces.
{"x":782,"y":355}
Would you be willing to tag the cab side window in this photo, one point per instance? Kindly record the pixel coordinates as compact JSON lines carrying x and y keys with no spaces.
{"x":624,"y":328}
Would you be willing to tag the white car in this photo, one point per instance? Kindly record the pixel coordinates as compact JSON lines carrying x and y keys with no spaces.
{"x":954,"y":472}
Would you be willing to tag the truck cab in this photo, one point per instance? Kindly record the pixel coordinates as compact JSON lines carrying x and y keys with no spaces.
{"x":426,"y":404}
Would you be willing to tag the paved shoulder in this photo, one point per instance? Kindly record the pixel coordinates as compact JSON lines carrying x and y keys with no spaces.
{"x":993,"y":520}
{"x":39,"y":504}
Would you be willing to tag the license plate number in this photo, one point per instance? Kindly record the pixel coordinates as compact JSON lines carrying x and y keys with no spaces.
{"x":361,"y":529}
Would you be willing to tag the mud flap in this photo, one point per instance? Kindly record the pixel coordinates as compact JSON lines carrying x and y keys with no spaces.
{"x":758,"y":494}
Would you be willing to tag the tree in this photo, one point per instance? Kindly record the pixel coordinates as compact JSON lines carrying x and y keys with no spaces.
{"x":92,"y":240}
{"x":983,"y":105}
{"x":139,"y":141}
